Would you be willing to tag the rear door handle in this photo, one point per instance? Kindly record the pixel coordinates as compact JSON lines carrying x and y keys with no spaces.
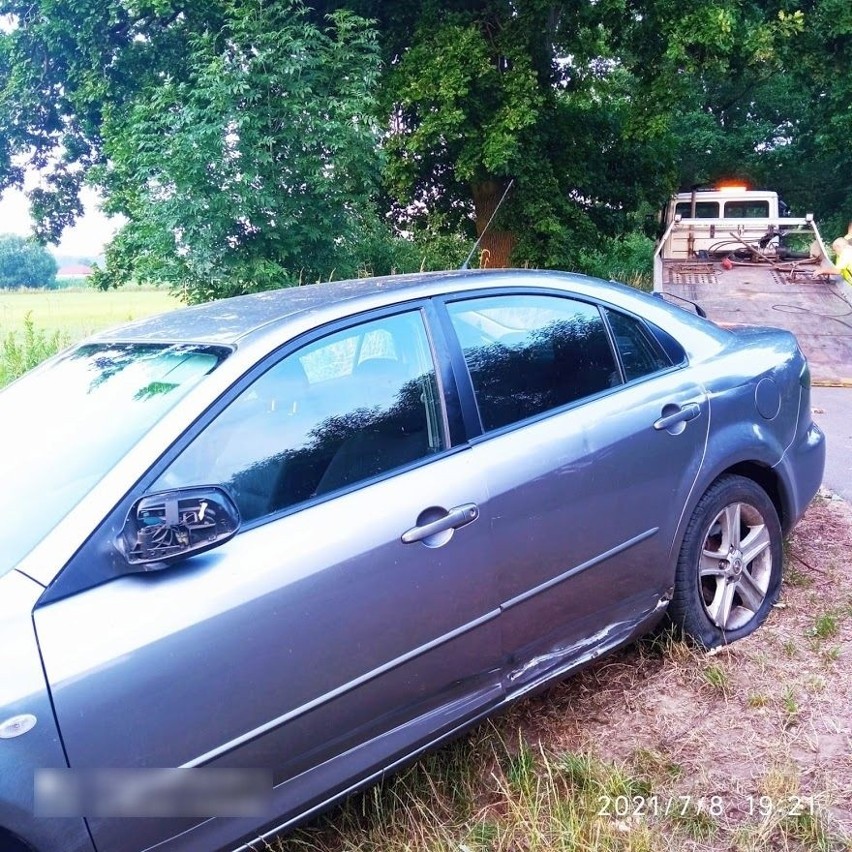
{"x":455,"y":518}
{"x":680,"y":415}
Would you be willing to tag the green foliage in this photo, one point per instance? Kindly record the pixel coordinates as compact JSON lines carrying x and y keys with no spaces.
{"x":24,"y":263}
{"x":425,"y":247}
{"x":27,"y":349}
{"x":238,"y":138}
{"x":243,"y":141}
{"x":256,"y":171}
{"x":488,"y":92}
{"x":464,"y":108}
{"x":63,"y":64}
{"x":627,"y":259}
{"x":815,"y":174}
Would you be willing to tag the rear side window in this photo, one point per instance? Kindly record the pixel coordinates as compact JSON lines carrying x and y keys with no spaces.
{"x":528,"y":354}
{"x":641,"y":355}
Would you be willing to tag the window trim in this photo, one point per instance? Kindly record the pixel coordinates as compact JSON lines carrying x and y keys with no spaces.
{"x":291,"y":348}
{"x":472,"y":420}
{"x":668,"y":344}
{"x":650,"y":331}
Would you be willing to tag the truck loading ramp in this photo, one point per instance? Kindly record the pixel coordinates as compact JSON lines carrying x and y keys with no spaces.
{"x":817,"y":310}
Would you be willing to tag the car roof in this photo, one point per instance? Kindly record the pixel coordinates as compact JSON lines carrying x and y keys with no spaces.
{"x":229,"y":321}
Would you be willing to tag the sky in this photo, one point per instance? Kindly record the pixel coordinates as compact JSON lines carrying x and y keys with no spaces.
{"x":85,"y":239}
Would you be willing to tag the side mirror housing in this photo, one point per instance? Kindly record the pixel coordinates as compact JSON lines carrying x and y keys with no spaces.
{"x":170,"y":525}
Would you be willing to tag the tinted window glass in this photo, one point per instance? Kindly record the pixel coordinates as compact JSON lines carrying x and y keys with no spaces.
{"x":345,"y":408}
{"x":639,"y":351}
{"x":674,"y":351}
{"x":530,"y":354}
{"x":703,"y":209}
{"x":746,"y":209}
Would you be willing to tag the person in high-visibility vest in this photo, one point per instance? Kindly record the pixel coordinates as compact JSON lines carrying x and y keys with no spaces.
{"x":843,"y":262}
{"x":842,"y":247}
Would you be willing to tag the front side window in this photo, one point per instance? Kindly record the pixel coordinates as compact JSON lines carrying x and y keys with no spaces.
{"x":350,"y":406}
{"x":528,"y":354}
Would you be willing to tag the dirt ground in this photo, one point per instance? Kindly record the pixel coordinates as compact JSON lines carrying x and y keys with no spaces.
{"x":759,"y":731}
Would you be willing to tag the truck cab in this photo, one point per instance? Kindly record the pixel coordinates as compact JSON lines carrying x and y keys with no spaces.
{"x":723,"y":218}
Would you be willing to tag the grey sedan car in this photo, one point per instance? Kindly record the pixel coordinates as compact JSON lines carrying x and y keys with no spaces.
{"x":257,"y":553}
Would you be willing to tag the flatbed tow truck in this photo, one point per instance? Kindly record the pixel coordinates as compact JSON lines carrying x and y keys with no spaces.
{"x":735,"y":254}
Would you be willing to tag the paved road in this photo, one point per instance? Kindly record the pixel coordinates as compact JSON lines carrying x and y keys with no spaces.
{"x":833,"y":413}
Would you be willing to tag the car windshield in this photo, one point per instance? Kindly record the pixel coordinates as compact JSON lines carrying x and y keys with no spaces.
{"x":65,"y":426}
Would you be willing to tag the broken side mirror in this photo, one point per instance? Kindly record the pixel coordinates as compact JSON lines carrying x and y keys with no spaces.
{"x":170,"y":525}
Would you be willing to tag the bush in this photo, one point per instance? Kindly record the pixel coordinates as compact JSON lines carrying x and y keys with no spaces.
{"x":628,"y":259}
{"x":19,"y":355}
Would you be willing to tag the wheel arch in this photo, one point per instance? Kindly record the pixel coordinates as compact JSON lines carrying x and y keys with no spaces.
{"x":769,"y":480}
{"x":759,"y":472}
{"x":700,"y":591}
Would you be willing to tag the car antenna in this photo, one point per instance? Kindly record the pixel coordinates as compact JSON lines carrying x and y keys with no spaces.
{"x":487,"y":225}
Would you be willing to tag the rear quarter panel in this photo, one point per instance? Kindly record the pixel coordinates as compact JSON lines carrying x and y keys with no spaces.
{"x":767,"y":362}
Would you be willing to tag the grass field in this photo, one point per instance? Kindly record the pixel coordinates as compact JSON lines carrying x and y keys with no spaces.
{"x":76,"y":313}
{"x":35,"y":324}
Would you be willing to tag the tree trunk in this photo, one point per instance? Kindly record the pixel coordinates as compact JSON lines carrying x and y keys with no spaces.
{"x":496,"y":246}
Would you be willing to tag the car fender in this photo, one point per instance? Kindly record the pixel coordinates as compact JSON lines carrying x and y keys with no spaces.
{"x":25,"y":706}
{"x":799,"y":473}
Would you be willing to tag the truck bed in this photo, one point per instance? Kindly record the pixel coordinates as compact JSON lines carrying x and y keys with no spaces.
{"x":816,"y":310}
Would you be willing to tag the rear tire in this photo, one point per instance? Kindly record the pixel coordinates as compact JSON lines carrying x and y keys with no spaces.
{"x":729,"y":568}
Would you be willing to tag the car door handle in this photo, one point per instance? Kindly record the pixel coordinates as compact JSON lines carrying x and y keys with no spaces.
{"x":460,"y":516}
{"x":681,"y":415}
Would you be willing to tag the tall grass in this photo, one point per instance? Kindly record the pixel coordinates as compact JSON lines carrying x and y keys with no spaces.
{"x":493,"y":793}
{"x":490,"y":794}
{"x":510,"y":785}
{"x":24,"y":349}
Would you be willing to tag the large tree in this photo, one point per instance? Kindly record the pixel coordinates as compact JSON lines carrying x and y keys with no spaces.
{"x":237,"y":138}
{"x":484,"y":94}
{"x":63,"y":65}
{"x":594,"y":110}
{"x":191,"y":116}
{"x":814,"y":168}
{"x":256,"y":170}
{"x":762,"y":91}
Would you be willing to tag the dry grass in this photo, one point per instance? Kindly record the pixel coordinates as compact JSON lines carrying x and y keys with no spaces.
{"x":660,"y":747}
